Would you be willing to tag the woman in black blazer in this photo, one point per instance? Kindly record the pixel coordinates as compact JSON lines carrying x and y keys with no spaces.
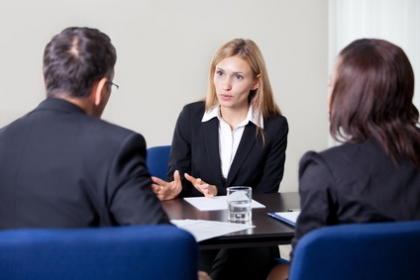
{"x":375,"y":175}
{"x":235,"y":137}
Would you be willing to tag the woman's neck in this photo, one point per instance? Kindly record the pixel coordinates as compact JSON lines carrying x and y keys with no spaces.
{"x":233,"y":116}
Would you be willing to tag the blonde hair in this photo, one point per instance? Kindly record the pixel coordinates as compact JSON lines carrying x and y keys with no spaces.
{"x":262,"y":98}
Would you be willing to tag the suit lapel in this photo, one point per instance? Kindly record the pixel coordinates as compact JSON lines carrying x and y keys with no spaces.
{"x":245,"y":147}
{"x":211,"y":132}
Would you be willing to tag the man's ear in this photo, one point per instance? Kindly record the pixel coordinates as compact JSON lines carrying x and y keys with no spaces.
{"x":43,"y":78}
{"x":98,"y":91}
{"x":257,"y":82}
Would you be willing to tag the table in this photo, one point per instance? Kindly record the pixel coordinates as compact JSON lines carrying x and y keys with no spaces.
{"x":267,"y":230}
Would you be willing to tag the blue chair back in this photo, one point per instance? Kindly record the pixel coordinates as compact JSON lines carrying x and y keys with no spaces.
{"x":126,"y":252}
{"x":157,"y":160}
{"x":359,"y":251}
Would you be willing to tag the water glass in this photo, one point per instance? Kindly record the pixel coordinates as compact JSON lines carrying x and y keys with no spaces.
{"x":239,"y":200}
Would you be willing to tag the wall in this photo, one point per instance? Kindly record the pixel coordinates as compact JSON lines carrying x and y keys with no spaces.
{"x":397,"y":21}
{"x":164,"y":50}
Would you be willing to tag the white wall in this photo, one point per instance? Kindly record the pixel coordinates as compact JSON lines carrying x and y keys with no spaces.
{"x":397,"y":21}
{"x":164,"y":50}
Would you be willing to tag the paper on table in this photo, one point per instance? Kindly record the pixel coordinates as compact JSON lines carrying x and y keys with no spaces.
{"x":287,"y":217}
{"x":215,"y":203}
{"x":202,"y":229}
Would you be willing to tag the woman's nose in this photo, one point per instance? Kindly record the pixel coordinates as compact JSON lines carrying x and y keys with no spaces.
{"x":226,"y":85}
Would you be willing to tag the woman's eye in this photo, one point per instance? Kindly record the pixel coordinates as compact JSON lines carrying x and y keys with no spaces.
{"x":219,"y":73}
{"x":239,"y":77}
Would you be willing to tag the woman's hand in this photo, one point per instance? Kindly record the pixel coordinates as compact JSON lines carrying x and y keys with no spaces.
{"x":203,"y":187}
{"x":167,"y":190}
{"x":202,"y":275}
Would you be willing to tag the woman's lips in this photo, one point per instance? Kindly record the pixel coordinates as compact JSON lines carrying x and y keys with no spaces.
{"x":226,"y":96}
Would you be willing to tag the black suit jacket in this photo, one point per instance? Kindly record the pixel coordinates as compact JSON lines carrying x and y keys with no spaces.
{"x":355,"y":183}
{"x":61,"y":168}
{"x":195,"y":150}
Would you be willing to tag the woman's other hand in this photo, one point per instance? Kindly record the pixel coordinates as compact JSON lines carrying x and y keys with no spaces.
{"x":201,"y":186}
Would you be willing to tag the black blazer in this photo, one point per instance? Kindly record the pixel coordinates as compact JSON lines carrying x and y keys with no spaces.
{"x":195,"y":150}
{"x":355,"y":183}
{"x":61,"y":168}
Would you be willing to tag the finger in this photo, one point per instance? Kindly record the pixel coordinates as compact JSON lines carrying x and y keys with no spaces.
{"x":190,"y":178}
{"x":158,"y":181}
{"x":156,"y":188}
{"x":198,"y":182}
{"x":177,"y":176}
{"x":206,"y":189}
{"x":200,"y":186}
{"x":203,"y":185}
{"x":208,"y":195}
{"x":177,"y":180}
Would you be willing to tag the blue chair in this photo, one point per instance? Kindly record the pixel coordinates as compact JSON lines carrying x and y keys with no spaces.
{"x":359,"y":251}
{"x":157,"y":160}
{"x":126,"y":252}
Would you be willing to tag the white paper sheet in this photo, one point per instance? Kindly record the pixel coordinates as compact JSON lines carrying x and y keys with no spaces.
{"x":202,"y":229}
{"x":215,"y":203}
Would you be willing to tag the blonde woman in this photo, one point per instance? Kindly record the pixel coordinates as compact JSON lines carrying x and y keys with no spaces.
{"x":236,"y":136}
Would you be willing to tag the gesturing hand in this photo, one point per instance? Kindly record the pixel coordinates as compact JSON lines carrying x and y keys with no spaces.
{"x":201,"y":186}
{"x":167,"y":190}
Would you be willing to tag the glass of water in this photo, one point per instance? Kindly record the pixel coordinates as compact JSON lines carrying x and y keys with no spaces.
{"x":239,"y":200}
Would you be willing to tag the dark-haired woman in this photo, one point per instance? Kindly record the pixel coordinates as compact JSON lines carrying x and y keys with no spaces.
{"x":375,"y":175}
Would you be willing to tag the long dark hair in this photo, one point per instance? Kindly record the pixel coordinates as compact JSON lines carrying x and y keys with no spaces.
{"x":372,"y":99}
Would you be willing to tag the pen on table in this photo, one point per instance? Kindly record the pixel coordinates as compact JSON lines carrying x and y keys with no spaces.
{"x":292,"y":210}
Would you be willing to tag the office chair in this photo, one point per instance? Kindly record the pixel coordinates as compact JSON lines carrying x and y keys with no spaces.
{"x":359,"y":251}
{"x":126,"y":252}
{"x":157,"y":160}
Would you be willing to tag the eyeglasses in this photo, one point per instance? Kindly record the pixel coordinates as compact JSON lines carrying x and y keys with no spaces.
{"x":113,"y":84}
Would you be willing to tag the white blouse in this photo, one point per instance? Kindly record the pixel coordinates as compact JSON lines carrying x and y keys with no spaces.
{"x":229,"y":140}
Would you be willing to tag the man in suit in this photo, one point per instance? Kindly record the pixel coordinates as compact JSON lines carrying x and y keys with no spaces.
{"x":61,"y":165}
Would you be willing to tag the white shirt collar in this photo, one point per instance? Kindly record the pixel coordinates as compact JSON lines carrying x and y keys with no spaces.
{"x":214,"y":112}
